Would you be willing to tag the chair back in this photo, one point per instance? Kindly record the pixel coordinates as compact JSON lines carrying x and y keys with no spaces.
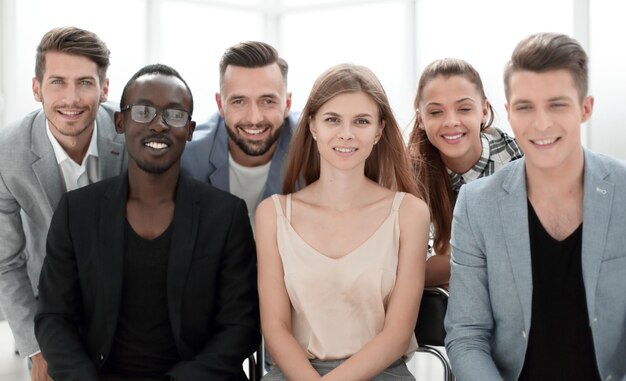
{"x":429,"y":329}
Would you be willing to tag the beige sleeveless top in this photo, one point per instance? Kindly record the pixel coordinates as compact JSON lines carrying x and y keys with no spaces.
{"x":338,"y":305}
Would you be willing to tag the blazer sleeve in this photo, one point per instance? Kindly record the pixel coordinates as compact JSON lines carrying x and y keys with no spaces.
{"x":236,"y":333}
{"x":60,"y":307}
{"x":16,"y":293}
{"x":469,"y":320}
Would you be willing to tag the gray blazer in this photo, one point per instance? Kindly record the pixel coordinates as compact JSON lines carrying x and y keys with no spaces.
{"x":489,"y":310}
{"x":206,"y":156}
{"x":31,"y":185}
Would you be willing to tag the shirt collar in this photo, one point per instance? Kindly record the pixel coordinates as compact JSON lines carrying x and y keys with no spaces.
{"x":60,"y":153}
{"x":477,"y":170}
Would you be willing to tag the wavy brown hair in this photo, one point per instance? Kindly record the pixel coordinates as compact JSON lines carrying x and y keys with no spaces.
{"x":76,"y":41}
{"x":388,"y":164}
{"x":549,"y":51}
{"x":425,"y":157}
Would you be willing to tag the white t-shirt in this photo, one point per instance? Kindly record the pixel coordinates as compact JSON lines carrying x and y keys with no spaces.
{"x":248,"y":183}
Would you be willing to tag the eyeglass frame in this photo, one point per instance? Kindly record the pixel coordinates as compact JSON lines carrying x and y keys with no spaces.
{"x":158,"y":111}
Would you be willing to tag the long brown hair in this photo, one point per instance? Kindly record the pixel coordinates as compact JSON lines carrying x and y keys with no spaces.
{"x":425,"y":157}
{"x":388,"y":163}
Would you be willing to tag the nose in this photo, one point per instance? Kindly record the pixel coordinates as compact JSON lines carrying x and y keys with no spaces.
{"x":72,"y":94}
{"x":158,"y":123}
{"x":345,"y":131}
{"x":542,"y":120}
{"x":254,"y":113}
{"x":451,"y":120}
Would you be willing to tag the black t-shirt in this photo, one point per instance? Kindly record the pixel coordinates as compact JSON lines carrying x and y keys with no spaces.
{"x":144,"y":345}
{"x":560,"y":345}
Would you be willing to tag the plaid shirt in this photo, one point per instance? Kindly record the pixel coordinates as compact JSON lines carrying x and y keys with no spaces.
{"x":498,"y":149}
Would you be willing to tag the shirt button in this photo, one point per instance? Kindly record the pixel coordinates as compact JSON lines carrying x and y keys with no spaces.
{"x":595,"y":319}
{"x":608,"y":378}
{"x":524,"y":334}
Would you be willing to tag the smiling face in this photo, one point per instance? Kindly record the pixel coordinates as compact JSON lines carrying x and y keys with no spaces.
{"x":451,"y":112}
{"x":346,"y":128}
{"x":545,"y":112}
{"x":71,"y":92}
{"x":254,"y":104}
{"x":155,"y":147}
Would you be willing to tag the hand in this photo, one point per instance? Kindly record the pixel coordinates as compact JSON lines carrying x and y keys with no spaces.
{"x":39,"y":372}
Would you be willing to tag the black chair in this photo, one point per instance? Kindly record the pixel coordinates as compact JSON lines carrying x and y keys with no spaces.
{"x":429,"y":330}
{"x":255,"y":364}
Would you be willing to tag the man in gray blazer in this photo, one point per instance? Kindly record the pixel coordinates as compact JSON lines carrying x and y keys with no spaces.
{"x":242,"y":148}
{"x":539,"y":249}
{"x":69,"y":143}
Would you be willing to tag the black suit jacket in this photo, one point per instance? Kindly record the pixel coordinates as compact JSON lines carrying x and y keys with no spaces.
{"x":211,"y":282}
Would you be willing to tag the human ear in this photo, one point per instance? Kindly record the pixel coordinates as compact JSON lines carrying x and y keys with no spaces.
{"x":587,"y":108}
{"x":104,"y":92}
{"x":418,"y":119}
{"x":36,"y":89}
{"x":218,"y":100}
{"x":119,"y":122}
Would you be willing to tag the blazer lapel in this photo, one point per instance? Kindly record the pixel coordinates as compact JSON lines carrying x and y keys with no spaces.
{"x":597,"y":204}
{"x":219,"y":158}
{"x":111,"y":244}
{"x":514,"y":219}
{"x":184,"y":231}
{"x":45,"y":166}
{"x":110,"y":150}
{"x":274,"y":182}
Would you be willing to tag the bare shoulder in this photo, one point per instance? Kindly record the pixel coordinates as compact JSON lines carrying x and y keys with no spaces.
{"x":414,"y":206}
{"x":267,"y":210}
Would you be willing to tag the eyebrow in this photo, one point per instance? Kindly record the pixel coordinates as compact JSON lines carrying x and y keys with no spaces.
{"x":56,"y":76}
{"x":553,"y":99}
{"x":561,"y":98}
{"x":267,"y":95}
{"x":455,"y":102}
{"x":361,"y":115}
{"x":148,"y":102}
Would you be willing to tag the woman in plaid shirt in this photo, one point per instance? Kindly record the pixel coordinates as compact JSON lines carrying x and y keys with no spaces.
{"x":453,"y":142}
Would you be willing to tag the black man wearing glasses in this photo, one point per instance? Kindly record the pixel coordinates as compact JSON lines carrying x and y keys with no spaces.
{"x":150,"y":275}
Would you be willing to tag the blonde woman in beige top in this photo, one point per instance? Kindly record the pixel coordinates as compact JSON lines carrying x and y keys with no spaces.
{"x":341,"y":261}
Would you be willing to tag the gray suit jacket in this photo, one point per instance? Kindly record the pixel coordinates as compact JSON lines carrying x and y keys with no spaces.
{"x":31,"y":185}
{"x":489,"y":310}
{"x":206,"y":156}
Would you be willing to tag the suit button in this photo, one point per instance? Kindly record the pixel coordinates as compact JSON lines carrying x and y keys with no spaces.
{"x":101,"y":357}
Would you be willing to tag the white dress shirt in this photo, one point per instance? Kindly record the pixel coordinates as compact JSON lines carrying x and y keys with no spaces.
{"x":76,"y":175}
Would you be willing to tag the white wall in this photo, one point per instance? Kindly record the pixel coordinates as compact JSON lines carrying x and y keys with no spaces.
{"x":607,"y":129}
{"x":395,"y":38}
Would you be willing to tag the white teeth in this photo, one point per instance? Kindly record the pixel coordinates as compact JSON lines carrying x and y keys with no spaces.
{"x":254,"y":131}
{"x":69,"y":113}
{"x":344,"y":149}
{"x":544,"y":142}
{"x":452,"y":137}
{"x":156,"y":145}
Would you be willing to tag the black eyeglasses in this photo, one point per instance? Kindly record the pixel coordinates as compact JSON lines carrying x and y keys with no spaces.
{"x":145,"y":114}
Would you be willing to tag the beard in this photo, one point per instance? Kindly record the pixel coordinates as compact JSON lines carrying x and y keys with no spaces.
{"x":254,"y":147}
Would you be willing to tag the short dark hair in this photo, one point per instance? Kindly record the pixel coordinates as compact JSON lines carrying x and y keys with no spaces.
{"x":549,"y":51}
{"x":252,"y":54}
{"x":155,"y":69}
{"x":76,"y":41}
